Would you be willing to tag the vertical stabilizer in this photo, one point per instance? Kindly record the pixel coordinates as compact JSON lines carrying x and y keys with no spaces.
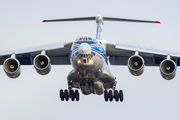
{"x":99,"y":21}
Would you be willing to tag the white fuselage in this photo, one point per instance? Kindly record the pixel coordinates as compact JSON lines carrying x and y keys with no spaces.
{"x":89,"y":61}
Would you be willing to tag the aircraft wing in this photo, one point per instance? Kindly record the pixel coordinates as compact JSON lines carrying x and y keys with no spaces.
{"x":119,"y":54}
{"x":58,"y":54}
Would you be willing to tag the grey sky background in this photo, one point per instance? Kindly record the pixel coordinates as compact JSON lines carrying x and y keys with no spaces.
{"x":32,"y":96}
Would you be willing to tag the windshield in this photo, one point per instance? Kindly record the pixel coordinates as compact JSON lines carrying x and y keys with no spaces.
{"x":85,"y":38}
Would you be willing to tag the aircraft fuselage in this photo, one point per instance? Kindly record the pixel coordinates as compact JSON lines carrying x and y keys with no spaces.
{"x":91,"y":73}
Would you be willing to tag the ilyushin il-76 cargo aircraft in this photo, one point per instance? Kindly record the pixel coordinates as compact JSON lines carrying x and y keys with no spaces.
{"x":91,"y":58}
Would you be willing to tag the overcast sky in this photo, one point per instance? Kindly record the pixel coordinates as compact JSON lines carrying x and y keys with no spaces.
{"x":35,"y":97}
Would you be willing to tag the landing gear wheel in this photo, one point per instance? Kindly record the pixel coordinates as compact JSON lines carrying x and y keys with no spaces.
{"x":121,"y":96}
{"x":72,"y":95}
{"x":61,"y":94}
{"x":66,"y":96}
{"x":116,"y":96}
{"x":76,"y":95}
{"x":110,"y":95}
{"x":106,"y":95}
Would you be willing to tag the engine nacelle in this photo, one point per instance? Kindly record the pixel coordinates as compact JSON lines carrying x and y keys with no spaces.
{"x":136,"y":65}
{"x":12,"y":67}
{"x":168,"y":69}
{"x":42,"y":64}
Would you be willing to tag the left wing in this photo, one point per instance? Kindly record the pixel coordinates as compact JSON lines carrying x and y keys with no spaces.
{"x":120,"y":53}
{"x":58,"y":54}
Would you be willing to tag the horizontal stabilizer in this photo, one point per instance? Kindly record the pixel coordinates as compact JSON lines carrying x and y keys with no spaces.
{"x":101,"y":18}
{"x":128,"y":20}
{"x":71,"y":19}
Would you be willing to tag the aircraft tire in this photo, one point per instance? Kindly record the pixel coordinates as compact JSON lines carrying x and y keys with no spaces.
{"x":116,"y":96}
{"x":61,"y":94}
{"x":76,"y":95}
{"x":110,"y":95}
{"x":106,"y":95}
{"x":121,"y":96}
{"x":72,"y":95}
{"x":66,"y":96}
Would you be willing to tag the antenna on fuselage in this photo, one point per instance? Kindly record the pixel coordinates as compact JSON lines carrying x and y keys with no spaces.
{"x":99,"y":20}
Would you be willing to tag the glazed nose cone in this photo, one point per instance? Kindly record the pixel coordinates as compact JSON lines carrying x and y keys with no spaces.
{"x":84,"y":48}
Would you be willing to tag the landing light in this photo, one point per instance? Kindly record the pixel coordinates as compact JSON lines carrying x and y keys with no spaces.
{"x":79,"y":61}
{"x":90,"y":61}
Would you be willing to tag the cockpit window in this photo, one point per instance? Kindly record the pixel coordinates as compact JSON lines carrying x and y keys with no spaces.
{"x":86,"y":38}
{"x":80,"y":38}
{"x":90,"y":39}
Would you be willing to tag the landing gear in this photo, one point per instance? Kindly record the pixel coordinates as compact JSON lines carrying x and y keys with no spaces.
{"x":110,"y":95}
{"x":106,"y":95}
{"x":69,"y":94}
{"x":66,"y":96}
{"x":72,"y":95}
{"x":121,"y":96}
{"x":117,"y":95}
{"x":76,"y":95}
{"x":61,"y":94}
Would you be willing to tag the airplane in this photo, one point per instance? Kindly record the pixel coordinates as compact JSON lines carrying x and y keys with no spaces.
{"x":90,"y":58}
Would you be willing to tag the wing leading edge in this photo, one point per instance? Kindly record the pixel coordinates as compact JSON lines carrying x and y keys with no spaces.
{"x":120,"y":53}
{"x":58,"y":54}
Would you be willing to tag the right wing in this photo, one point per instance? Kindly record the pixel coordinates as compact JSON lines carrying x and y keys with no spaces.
{"x":120,"y":53}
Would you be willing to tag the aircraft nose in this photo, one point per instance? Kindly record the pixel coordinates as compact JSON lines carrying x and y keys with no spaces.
{"x":84,"y":48}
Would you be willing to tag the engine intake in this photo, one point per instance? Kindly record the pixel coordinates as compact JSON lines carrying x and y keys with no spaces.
{"x":136,"y":65}
{"x":12,"y":67}
{"x":42,"y":64}
{"x":168,"y":69}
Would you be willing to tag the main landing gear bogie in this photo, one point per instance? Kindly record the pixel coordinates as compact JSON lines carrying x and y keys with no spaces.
{"x":118,"y":95}
{"x":66,"y":94}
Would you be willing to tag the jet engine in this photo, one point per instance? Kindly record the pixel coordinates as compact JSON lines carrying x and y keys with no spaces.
{"x":42,"y":64}
{"x":168,"y":69}
{"x":136,"y":65}
{"x":12,"y":67}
